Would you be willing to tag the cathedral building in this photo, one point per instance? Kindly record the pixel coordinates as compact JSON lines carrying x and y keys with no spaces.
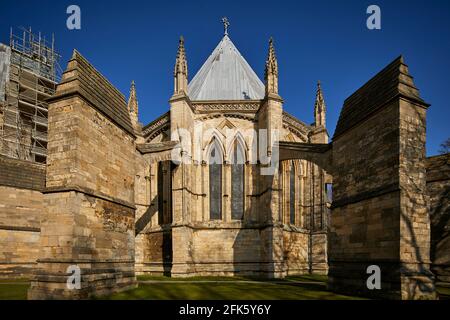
{"x":225,"y":183}
{"x":232,"y":215}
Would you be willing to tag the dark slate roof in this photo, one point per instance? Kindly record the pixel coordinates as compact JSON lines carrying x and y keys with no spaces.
{"x":391,"y":82}
{"x":82,"y":78}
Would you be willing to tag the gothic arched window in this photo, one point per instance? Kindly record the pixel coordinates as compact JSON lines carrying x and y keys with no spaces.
{"x":292,"y":194}
{"x":237,"y":182}
{"x":215,"y":182}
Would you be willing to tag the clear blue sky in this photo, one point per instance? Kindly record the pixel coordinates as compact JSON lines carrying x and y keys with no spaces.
{"x":326,"y":40}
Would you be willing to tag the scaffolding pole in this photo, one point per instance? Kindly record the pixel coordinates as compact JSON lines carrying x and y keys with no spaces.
{"x":34,"y":74}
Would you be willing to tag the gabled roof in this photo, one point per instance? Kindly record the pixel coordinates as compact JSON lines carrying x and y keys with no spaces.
{"x":391,"y":82}
{"x":226,"y":76}
{"x":82,"y":78}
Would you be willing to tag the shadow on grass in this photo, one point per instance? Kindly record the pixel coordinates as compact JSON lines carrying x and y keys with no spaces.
{"x":290,"y":288}
{"x":228,"y":291}
{"x":226,"y":288}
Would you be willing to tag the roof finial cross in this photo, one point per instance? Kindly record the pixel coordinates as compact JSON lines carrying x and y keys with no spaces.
{"x":226,"y":24}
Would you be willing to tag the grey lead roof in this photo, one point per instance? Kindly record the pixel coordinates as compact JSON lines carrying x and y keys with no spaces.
{"x":226,"y":76}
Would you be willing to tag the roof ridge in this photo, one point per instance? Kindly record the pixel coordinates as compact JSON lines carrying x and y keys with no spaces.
{"x":399,"y":61}
{"x":77,"y":55}
{"x":96,"y":89}
{"x":392,"y":81}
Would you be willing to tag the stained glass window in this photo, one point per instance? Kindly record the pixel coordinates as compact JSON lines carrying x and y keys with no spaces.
{"x":329,"y":192}
{"x":237,"y":182}
{"x":215,"y":182}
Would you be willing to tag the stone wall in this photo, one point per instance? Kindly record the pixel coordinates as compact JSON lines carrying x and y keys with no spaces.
{"x":319,"y":252}
{"x":262,"y":244}
{"x":22,"y":174}
{"x":89,"y":221}
{"x":224,"y":251}
{"x":417,"y":281}
{"x":156,"y":253}
{"x":379,"y":213}
{"x":153,"y":216}
{"x":146,"y":206}
{"x":227,"y":249}
{"x":21,"y":206}
{"x":438,"y":186}
{"x":382,"y":226}
{"x":296,"y":256}
{"x":237,"y":250}
{"x":90,"y":151}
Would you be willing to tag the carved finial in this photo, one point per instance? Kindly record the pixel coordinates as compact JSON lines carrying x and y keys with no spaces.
{"x":226,"y":24}
{"x":319,"y":107}
{"x":132,"y":100}
{"x":271,"y":71}
{"x":320,"y":102}
{"x":181,"y":69}
{"x":180,"y":65}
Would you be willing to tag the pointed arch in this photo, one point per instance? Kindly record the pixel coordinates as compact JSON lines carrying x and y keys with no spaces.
{"x":214,"y":141}
{"x":215,"y":160}
{"x":238,"y":160}
{"x":238,"y":138}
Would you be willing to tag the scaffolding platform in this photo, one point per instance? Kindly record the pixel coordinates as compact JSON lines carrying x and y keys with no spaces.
{"x":29,"y":73}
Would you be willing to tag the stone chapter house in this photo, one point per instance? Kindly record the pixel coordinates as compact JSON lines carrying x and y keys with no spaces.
{"x":111,"y":201}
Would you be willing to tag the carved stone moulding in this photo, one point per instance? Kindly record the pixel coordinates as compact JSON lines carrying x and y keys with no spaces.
{"x":243,"y":106}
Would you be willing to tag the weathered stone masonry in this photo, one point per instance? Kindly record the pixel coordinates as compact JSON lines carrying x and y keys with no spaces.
{"x":438,"y":187}
{"x":21,"y":206}
{"x":180,"y":238}
{"x":111,"y":202}
{"x":379,"y":213}
{"x":89,"y":198}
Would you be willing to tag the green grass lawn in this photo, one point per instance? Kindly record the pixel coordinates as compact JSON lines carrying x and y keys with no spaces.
{"x":14,"y":289}
{"x":308,"y":287}
{"x":225,"y":288}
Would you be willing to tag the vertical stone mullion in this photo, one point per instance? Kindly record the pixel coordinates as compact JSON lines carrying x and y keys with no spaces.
{"x":205,"y":192}
{"x":226,"y":192}
{"x":247,"y":191}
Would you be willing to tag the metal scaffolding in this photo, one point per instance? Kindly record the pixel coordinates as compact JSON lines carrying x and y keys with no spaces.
{"x":34,"y":71}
